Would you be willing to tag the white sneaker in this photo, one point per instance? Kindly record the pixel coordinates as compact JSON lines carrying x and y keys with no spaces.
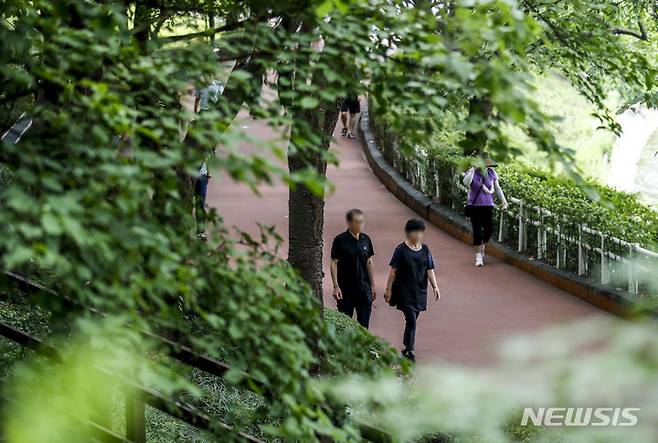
{"x":479,"y":259}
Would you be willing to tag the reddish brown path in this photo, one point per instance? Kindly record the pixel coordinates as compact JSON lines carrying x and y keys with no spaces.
{"x":479,"y":307}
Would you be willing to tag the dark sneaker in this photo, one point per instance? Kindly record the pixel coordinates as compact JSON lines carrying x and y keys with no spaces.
{"x":409,"y":355}
{"x":344,"y":132}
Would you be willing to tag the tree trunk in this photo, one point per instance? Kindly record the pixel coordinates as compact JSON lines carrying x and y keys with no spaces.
{"x":306,"y":209}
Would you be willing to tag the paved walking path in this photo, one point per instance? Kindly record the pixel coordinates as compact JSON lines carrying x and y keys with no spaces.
{"x":478,"y":308}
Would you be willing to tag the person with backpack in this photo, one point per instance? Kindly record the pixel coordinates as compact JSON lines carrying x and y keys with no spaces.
{"x":411,"y":267}
{"x":482,"y":185}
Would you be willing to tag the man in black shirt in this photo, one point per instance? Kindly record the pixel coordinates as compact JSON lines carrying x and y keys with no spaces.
{"x":352,"y":269}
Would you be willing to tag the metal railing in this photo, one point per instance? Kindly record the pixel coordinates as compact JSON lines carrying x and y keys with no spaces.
{"x":139,"y":397}
{"x":135,"y":417}
{"x":612,"y":262}
{"x":136,"y":399}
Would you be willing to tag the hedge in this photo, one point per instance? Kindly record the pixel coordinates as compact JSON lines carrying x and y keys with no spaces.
{"x":586,"y":201}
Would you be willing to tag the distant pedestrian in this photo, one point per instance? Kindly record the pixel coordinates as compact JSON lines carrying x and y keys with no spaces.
{"x":206,"y":94}
{"x":349,"y":114}
{"x":482,"y":186}
{"x":411,"y":267}
{"x":203,"y":97}
{"x":352,"y":269}
{"x":215,"y":90}
{"x":200,"y":194}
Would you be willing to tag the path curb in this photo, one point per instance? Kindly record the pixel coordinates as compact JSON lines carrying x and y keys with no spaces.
{"x":617,"y":303}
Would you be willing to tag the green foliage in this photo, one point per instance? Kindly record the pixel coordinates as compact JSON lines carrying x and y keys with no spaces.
{"x":100,"y":197}
{"x":602,"y":208}
{"x":100,"y":189}
{"x":52,"y":402}
{"x":574,"y":126}
{"x":602,"y":361}
{"x":599,"y":47}
{"x":377,"y":352}
{"x":486,"y":79}
{"x":15,"y":311}
{"x":437,"y":74}
{"x":575,"y":201}
{"x":234,"y":405}
{"x":587,"y":202}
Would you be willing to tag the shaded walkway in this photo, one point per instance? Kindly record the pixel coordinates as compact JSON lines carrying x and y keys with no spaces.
{"x":478,"y":306}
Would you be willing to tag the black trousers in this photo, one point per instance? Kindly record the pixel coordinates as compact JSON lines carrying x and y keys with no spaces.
{"x":200,"y":194}
{"x":411,"y":314}
{"x":482,"y":223}
{"x":363,"y":309}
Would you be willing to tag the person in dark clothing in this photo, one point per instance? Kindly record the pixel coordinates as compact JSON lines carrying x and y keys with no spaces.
{"x":406,"y":288}
{"x":349,"y":114}
{"x":352,"y":269}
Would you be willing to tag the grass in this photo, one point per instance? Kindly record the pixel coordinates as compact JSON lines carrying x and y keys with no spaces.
{"x":15,"y":311}
{"x":235,"y":406}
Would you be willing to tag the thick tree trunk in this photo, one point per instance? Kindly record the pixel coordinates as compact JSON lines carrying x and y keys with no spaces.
{"x":306,"y":209}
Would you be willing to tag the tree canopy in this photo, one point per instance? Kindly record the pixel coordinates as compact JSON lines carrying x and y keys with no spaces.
{"x":96,"y":195}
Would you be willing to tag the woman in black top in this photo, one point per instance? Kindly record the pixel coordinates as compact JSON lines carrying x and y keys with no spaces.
{"x":406,"y":288}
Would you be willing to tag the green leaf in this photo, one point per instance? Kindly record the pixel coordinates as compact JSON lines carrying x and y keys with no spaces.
{"x":51,"y":224}
{"x":309,"y":102}
{"x":324,"y":8}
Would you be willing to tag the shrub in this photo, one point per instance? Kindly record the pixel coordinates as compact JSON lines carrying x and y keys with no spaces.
{"x":573,"y":200}
{"x":376,"y":351}
{"x":600,"y":207}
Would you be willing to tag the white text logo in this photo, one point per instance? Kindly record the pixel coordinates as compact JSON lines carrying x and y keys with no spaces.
{"x":580,"y":416}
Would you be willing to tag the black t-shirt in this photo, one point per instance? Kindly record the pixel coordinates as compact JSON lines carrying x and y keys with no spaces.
{"x":410,"y":284}
{"x":352,"y":256}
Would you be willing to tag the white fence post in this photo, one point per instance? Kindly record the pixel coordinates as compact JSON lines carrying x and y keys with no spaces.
{"x":540,"y":230}
{"x":558,"y":252}
{"x":633,"y":284}
{"x":605,"y":275}
{"x":563,"y":250}
{"x":581,"y":255}
{"x":567,"y":243}
{"x":521,"y":227}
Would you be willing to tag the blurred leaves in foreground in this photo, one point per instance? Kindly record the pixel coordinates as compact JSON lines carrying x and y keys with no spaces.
{"x":601,"y":362}
{"x":48,"y":402}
